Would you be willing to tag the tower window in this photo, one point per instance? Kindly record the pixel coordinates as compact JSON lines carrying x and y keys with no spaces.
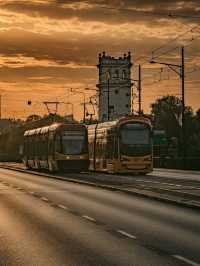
{"x":116,"y":73}
{"x":127,"y":105}
{"x":124,"y":74}
{"x":127,"y":94}
{"x":116,"y":91}
{"x":108,"y":74}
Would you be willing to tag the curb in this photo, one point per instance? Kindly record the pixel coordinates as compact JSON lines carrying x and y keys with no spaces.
{"x":179,"y":171}
{"x":136,"y":192}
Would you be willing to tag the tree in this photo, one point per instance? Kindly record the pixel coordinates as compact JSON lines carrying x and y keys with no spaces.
{"x":194,"y":138}
{"x":33,"y":117}
{"x":166,"y":113}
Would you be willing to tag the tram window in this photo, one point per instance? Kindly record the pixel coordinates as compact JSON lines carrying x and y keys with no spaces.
{"x":43,"y":147}
{"x":58,"y":143}
{"x":40,"y":147}
{"x":37,"y":143}
{"x":110,"y":147}
{"x":25,"y":147}
{"x":134,"y":134}
{"x":27,"y":143}
{"x":46,"y":147}
{"x":31,"y":148}
{"x":50,"y":148}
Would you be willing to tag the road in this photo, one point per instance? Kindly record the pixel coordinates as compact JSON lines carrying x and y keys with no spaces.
{"x":52,"y":222}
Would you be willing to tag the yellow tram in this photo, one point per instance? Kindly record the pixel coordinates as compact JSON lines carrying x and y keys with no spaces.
{"x":121,"y":146}
{"x":56,"y":147}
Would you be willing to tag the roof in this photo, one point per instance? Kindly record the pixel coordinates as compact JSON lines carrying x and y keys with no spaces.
{"x":53,"y":127}
{"x":119,"y":122}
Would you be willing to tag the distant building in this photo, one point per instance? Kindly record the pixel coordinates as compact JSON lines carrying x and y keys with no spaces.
{"x":115,"y":78}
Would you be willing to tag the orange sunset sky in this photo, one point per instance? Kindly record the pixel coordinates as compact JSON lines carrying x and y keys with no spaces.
{"x":50,"y":46}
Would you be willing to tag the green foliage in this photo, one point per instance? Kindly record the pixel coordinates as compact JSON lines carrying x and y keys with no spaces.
{"x":33,"y":118}
{"x":166,"y":113}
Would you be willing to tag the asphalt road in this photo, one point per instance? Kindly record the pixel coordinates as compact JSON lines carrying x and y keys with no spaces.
{"x":51,"y":222}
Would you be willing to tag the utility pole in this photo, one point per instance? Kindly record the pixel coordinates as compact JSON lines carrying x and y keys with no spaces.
{"x":181,"y":74}
{"x":0,"y":104}
{"x":84,"y":110}
{"x":183,"y":104}
{"x":108,"y":97}
{"x":139,"y":91}
{"x":138,"y":86}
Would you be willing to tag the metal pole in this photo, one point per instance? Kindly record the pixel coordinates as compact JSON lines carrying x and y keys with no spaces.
{"x":0,"y":105}
{"x":84,"y":109}
{"x":139,"y":91}
{"x":183,"y":105}
{"x":108,"y":100}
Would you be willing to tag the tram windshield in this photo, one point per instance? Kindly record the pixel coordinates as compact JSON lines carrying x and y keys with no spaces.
{"x":135,"y":134}
{"x":135,"y":139}
{"x":73,"y":142}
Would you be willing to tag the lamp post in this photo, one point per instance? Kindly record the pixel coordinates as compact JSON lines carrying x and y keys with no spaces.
{"x":181,"y":74}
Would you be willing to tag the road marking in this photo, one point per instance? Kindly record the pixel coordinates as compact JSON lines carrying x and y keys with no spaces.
{"x":157,"y":182}
{"x":89,"y":218}
{"x":44,"y":199}
{"x":126,"y":234}
{"x":31,"y":192}
{"x":62,"y":206}
{"x":193,"y":263}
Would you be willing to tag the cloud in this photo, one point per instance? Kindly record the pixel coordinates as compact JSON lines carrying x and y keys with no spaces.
{"x":47,"y":45}
{"x":103,"y":11}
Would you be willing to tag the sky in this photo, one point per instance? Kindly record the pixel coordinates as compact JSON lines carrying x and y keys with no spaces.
{"x":48,"y":47}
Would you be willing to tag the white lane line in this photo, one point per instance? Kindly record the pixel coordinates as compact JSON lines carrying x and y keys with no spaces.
{"x":160,"y":183}
{"x":190,"y":262}
{"x":44,"y":199}
{"x":89,"y":218}
{"x":31,"y":192}
{"x":126,"y":234}
{"x":62,"y":207}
